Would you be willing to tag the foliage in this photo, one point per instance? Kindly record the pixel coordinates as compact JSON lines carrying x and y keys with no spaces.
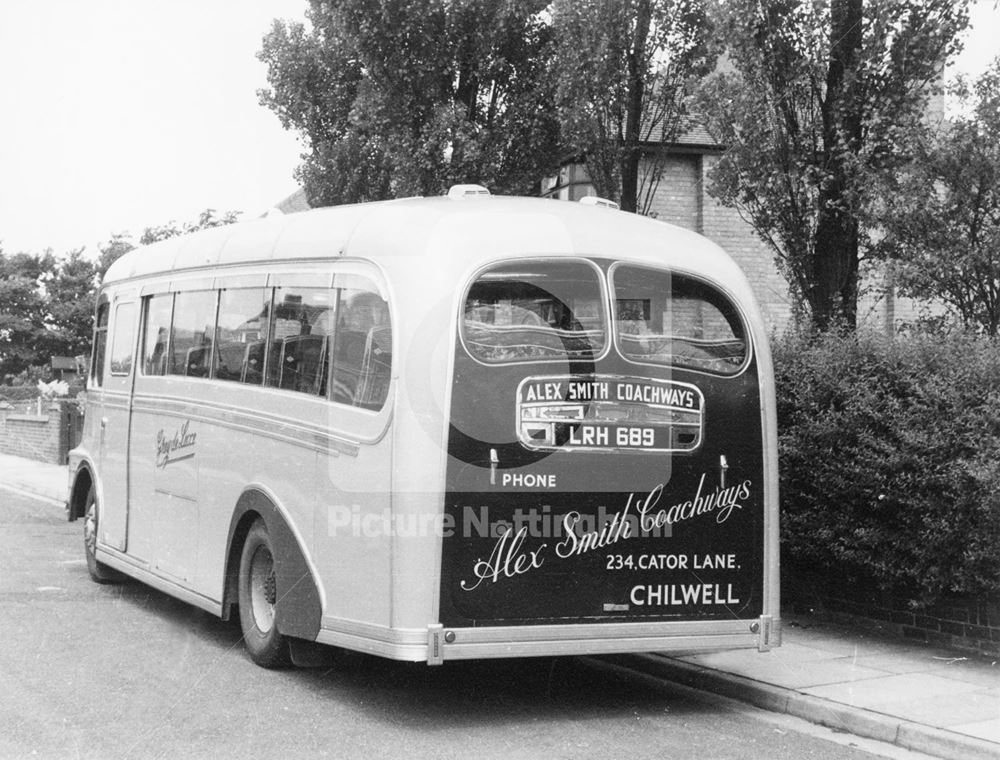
{"x":47,"y":302}
{"x":822,"y":99}
{"x":18,"y":392}
{"x":206,"y":219}
{"x":23,"y":333}
{"x":624,"y":70}
{"x":70,"y":300}
{"x":46,"y":305}
{"x":942,"y":216}
{"x":400,"y":98}
{"x":890,"y":460}
{"x":117,"y":246}
{"x":121,"y":243}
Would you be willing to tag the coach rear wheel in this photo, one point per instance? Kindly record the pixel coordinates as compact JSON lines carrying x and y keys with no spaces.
{"x":99,"y":572}
{"x":258,"y":597}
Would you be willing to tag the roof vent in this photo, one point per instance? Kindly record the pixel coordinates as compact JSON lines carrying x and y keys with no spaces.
{"x":468,"y":191}
{"x":593,"y":200}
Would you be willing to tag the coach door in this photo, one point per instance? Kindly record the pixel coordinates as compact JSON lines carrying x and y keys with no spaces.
{"x":605,"y":459}
{"x":174,"y":358}
{"x":114,"y":421}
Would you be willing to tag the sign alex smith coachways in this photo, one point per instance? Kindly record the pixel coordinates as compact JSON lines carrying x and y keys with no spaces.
{"x":669,"y":527}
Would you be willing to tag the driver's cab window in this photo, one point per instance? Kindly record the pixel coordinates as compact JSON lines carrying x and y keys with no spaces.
{"x":123,"y":339}
{"x":100,"y":345}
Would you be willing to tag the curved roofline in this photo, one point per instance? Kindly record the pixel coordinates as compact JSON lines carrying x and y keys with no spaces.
{"x":457,"y":235}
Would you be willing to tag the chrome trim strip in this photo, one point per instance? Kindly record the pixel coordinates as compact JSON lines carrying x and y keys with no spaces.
{"x":246,"y":420}
{"x":395,"y":643}
{"x":139,"y":570}
{"x":619,"y":645}
{"x":651,"y":629}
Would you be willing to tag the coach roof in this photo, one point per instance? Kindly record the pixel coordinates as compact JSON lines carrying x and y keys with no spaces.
{"x":454,"y":234}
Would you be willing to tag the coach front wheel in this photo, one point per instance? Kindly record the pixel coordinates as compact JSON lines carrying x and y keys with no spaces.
{"x":99,"y":572}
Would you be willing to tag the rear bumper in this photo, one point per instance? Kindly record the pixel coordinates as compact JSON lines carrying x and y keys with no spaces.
{"x":437,"y":644}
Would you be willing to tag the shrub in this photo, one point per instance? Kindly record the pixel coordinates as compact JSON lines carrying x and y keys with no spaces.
{"x":890,"y":460}
{"x":15,"y":393}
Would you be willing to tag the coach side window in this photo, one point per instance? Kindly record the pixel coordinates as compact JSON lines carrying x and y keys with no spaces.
{"x":159,"y":309}
{"x":241,"y":335}
{"x":123,"y":339}
{"x":362,"y":359}
{"x":192,"y":333}
{"x":301,"y":326}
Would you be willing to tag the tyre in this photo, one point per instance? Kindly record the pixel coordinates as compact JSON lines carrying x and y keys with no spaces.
{"x":258,"y":596}
{"x":99,"y":572}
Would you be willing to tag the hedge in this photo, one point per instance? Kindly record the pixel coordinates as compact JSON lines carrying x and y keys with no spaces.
{"x":890,"y":460}
{"x":15,"y":393}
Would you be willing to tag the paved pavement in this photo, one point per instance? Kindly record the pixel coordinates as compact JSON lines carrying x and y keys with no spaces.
{"x":912,"y":695}
{"x":48,"y":482}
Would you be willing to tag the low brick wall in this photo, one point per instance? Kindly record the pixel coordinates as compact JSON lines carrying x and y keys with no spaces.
{"x":958,"y":623}
{"x":44,"y":432}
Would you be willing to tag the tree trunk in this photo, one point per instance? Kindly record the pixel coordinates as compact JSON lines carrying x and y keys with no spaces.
{"x":631,"y":148}
{"x":834,"y":297}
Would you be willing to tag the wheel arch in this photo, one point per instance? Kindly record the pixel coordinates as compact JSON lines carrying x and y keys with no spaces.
{"x":299,"y":608}
{"x":82,"y":482}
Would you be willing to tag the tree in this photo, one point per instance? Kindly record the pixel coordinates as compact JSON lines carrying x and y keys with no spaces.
{"x":398,"y":98}
{"x":70,"y":294}
{"x":23,"y":311}
{"x":112,"y":250}
{"x":206,"y":219}
{"x":121,"y":242}
{"x":942,"y":216}
{"x":625,"y":70}
{"x":819,"y":104}
{"x":47,"y":302}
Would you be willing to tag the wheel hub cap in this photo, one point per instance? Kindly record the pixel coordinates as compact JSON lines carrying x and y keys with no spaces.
{"x":263,"y":589}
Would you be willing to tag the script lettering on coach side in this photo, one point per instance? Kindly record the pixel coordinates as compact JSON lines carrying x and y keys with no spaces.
{"x":175,"y":448}
{"x":510,"y":557}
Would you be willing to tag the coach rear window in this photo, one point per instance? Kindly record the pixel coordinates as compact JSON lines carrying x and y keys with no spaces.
{"x":670,"y":319}
{"x":535,"y":311}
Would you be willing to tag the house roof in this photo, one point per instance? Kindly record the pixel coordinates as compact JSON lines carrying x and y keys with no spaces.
{"x":66,"y":363}
{"x":294,"y":203}
{"x":695,"y":135}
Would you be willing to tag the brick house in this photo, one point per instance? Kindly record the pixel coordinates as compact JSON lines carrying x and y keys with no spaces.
{"x":682,"y":198}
